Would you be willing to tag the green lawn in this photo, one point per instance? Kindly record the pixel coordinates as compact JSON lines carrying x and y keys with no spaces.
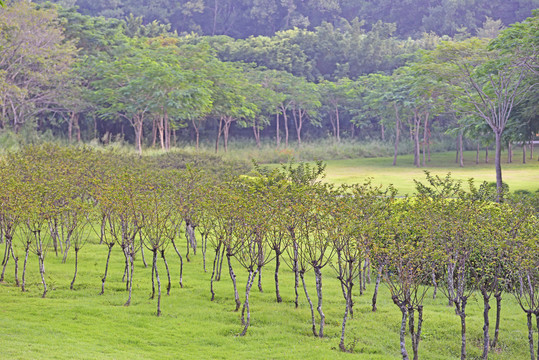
{"x":80,"y":324}
{"x":516,"y":174}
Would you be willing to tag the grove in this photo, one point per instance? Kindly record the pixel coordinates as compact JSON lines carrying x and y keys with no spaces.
{"x":450,"y":240}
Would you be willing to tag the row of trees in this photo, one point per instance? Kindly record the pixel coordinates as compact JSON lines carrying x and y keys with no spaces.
{"x":241,"y":19}
{"x":446,"y":238}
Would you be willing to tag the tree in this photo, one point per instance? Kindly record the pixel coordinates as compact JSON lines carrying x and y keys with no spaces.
{"x":487,"y":84}
{"x":34,"y":62}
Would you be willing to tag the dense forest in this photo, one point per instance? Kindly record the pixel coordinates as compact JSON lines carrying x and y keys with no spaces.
{"x":375,"y":75}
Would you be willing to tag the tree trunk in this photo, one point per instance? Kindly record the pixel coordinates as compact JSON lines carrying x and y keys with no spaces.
{"x":498,"y":165}
{"x":403,"y":333}
{"x":181,"y":263}
{"x":318,"y":277}
{"x":523,"y":152}
{"x":486,"y":323}
{"x":219,"y":131}
{"x":425,"y":138}
{"x":168,"y":271}
{"x":498,"y":296}
{"x":285,"y":118}
{"x":461,"y":149}
{"x":158,"y":282}
{"x":486,"y":155}
{"x":104,"y":278}
{"x":23,"y":280}
{"x":302,"y":275}
{"x":277,"y":265}
{"x":477,"y":155}
{"x":250,"y":282}
{"x":345,"y":317}
{"x":397,"y":134}
{"x":215,"y":264}
{"x":338,"y":123}
{"x":130,"y":277}
{"x":376,"y":286}
{"x":76,"y":267}
{"x":278,"y":135}
{"x":530,"y":334}
{"x":233,"y":277}
{"x":509,"y":152}
{"x":6,"y":258}
{"x":462,"y":313}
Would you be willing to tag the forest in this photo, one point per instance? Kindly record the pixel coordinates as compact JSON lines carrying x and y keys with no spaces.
{"x":67,"y":74}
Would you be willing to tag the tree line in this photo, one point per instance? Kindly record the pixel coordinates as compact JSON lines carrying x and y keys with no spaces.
{"x":91,"y":78}
{"x":450,"y":238}
{"x":241,"y":19}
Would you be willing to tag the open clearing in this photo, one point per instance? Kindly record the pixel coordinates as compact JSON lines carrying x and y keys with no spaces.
{"x":517,"y":175}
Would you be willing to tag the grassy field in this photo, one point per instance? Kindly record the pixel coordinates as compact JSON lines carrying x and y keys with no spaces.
{"x":516,"y":174}
{"x":81,"y":324}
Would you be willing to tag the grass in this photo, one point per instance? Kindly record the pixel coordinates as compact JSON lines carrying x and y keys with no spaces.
{"x":80,"y":324}
{"x":517,"y":175}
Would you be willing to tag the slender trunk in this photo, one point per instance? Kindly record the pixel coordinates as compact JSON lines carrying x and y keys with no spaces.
{"x":417,"y":336}
{"x":16,"y":260}
{"x":318,"y":277}
{"x":461,"y":149}
{"x":158,"y":282}
{"x":477,"y":155}
{"x":233,"y":277}
{"x":26,"y":251}
{"x":523,"y":152}
{"x":397,"y":134}
{"x":376,"y":286}
{"x":277,"y":265}
{"x":403,"y":333}
{"x":103,"y":224}
{"x":417,"y":120}
{"x":215,"y":264}
{"x":142,"y":251}
{"x":486,"y":155}
{"x":278,"y":135}
{"x":218,"y":135}
{"x":285,"y":119}
{"x":42,"y":272}
{"x":486,"y":323}
{"x":509,"y":152}
{"x":435,"y":284}
{"x":498,"y":165}
{"x":250,"y":282}
{"x":530,"y":334}
{"x":104,"y":278}
{"x":130,"y":278}
{"x":220,"y":267}
{"x":76,"y":267}
{"x":168,"y":271}
{"x":204,"y":248}
{"x":296,"y":272}
{"x":498,"y":296}
{"x":462,"y":314}
{"x":338,"y":123}
{"x":425,"y":130}
{"x":301,"y":274}
{"x":260,"y":279}
{"x":181,"y":263}
{"x":345,"y":317}
{"x":6,"y":258}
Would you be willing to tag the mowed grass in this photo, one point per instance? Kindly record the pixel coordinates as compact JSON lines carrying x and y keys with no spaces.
{"x":517,"y":175}
{"x":81,"y":324}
